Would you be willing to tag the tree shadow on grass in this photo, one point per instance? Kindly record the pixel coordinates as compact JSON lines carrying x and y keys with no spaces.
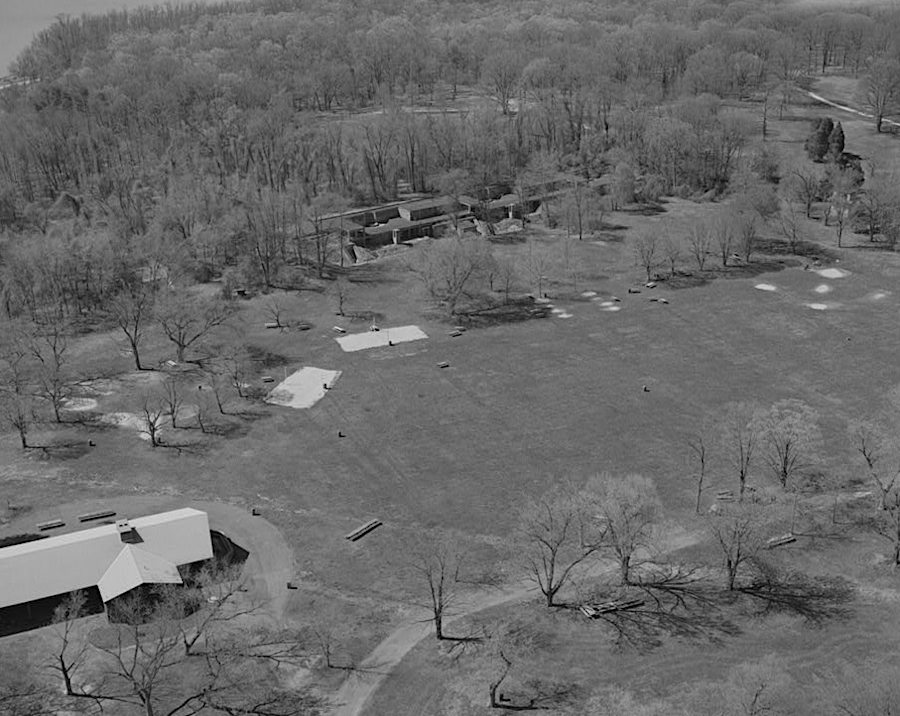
{"x":815,"y":599}
{"x":676,"y":604}
{"x":683,"y":605}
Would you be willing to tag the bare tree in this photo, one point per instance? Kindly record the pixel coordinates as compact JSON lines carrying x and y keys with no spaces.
{"x":172,"y":398}
{"x":880,"y":451}
{"x":628,"y":514}
{"x":341,"y":292}
{"x":698,"y":448}
{"x":53,"y":382}
{"x":152,"y":409}
{"x":557,"y":534}
{"x":151,"y":661}
{"x":804,"y":187}
{"x":700,"y":241}
{"x":538,"y":262}
{"x":437,"y":566}
{"x":16,"y":389}
{"x":672,"y":251}
{"x":186,"y":320}
{"x":880,"y":88}
{"x":132,"y":310}
{"x":739,"y":531}
{"x":724,"y":234}
{"x":790,"y":438}
{"x":790,"y":222}
{"x":507,"y":644}
{"x":887,"y":522}
{"x":646,"y":249}
{"x":738,"y":436}
{"x":275,"y":307}
{"x":506,"y":275}
{"x":453,"y":268}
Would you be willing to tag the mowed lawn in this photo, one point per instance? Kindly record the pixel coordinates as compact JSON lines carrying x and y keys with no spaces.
{"x":522,"y":406}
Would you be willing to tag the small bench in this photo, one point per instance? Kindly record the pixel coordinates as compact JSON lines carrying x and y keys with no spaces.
{"x":363,"y":530}
{"x":443,"y":364}
{"x":50,"y":525}
{"x":780,"y":540}
{"x":91,"y":516}
{"x":455,"y":334}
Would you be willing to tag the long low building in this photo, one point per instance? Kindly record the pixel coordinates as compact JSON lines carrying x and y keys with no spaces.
{"x":106,"y":561}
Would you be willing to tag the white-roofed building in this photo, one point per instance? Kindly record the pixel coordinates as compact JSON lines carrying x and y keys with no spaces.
{"x":113,"y":559}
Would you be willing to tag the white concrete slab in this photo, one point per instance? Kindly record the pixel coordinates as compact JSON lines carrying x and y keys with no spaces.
{"x":833,"y":273}
{"x":304,"y":388}
{"x":379,"y":339}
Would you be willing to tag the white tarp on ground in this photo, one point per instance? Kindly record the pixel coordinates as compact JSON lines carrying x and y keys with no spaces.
{"x":304,"y":388}
{"x":377,"y":339}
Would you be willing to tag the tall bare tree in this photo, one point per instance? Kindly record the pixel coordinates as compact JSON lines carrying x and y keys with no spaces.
{"x":738,"y":437}
{"x":557,"y":534}
{"x":186,"y":320}
{"x":739,"y":532}
{"x":790,"y":438}
{"x":628,"y":516}
{"x":437,"y":565}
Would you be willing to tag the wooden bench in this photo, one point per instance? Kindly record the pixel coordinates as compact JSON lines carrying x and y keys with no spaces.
{"x":780,"y":540}
{"x":363,"y":530}
{"x":50,"y":525}
{"x":91,"y":516}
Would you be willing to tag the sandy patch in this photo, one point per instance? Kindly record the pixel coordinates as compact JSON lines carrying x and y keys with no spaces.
{"x":304,"y":388}
{"x":822,"y":288}
{"x":130,"y":421}
{"x":832,"y":273}
{"x":588,"y":294}
{"x":79,"y":404}
{"x":564,"y":315}
{"x":878,"y":295}
{"x":542,"y":300}
{"x":818,"y":306}
{"x":378,"y":339}
{"x":611,"y":308}
{"x":766,"y":287}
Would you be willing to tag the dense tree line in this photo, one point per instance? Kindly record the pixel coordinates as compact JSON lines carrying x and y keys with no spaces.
{"x":220,"y":134}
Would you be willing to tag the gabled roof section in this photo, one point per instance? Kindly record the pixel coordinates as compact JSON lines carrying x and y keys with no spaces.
{"x":134,"y":567}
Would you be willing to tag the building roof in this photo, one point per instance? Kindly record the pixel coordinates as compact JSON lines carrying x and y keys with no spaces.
{"x":133,"y":567}
{"x":82,"y":559}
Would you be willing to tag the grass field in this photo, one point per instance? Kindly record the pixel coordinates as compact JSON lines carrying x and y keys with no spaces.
{"x":520,"y":407}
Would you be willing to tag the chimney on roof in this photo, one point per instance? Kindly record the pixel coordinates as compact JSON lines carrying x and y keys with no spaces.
{"x":127,"y":532}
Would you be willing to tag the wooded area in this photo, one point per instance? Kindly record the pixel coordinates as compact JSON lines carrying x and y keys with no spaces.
{"x":214,"y":137}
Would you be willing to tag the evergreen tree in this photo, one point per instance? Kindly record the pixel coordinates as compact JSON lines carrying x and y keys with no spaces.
{"x":817,"y":143}
{"x":836,"y":142}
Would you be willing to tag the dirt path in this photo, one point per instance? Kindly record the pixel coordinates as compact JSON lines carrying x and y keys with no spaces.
{"x":845,"y":108}
{"x":355,"y":693}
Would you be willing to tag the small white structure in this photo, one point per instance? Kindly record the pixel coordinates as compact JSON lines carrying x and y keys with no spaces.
{"x":304,"y":388}
{"x":380,"y":338}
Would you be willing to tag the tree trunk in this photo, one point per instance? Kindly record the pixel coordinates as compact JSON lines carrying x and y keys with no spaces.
{"x":438,"y":625}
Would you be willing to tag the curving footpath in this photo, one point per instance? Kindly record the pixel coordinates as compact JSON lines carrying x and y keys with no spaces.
{"x":852,"y":110}
{"x":355,"y":693}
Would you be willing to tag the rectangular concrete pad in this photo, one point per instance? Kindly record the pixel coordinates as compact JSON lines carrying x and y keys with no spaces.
{"x":379,"y":339}
{"x":304,"y":388}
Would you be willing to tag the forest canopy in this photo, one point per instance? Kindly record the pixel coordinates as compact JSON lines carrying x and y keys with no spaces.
{"x":216,"y":133}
